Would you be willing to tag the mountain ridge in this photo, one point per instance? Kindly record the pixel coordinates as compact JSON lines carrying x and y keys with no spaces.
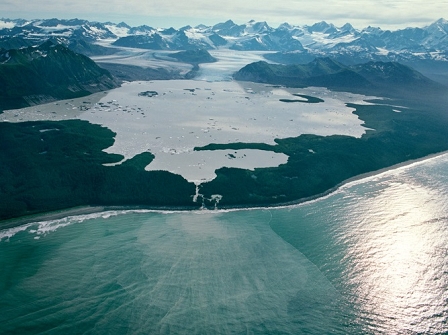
{"x":66,"y":168}
{"x":321,"y":38}
{"x":389,"y":78}
{"x":48,"y":72}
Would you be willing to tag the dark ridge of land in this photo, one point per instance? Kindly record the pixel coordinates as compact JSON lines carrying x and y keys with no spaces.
{"x":136,"y":73}
{"x":54,"y":165}
{"x":51,"y":166}
{"x":433,"y":69}
{"x":317,"y":164}
{"x":389,"y":79}
{"x":90,"y":49}
{"x":196,"y":56}
{"x":48,"y":72}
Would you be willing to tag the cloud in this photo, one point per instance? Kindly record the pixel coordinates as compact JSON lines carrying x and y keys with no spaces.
{"x":360,"y":13}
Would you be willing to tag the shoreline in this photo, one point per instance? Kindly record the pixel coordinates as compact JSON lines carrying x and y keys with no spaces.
{"x":361,"y":177}
{"x":85,"y":210}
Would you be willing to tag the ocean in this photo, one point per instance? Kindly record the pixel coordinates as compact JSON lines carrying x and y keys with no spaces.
{"x":370,"y":258}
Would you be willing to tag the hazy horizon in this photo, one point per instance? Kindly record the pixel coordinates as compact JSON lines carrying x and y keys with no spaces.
{"x":391,"y":15}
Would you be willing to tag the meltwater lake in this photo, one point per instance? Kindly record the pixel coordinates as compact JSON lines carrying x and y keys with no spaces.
{"x":370,"y":258}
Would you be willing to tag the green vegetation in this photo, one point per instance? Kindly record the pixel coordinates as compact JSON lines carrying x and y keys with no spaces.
{"x":50,"y":165}
{"x":49,"y":72}
{"x":14,"y":43}
{"x":320,"y":72}
{"x":374,"y":78}
{"x":319,"y":163}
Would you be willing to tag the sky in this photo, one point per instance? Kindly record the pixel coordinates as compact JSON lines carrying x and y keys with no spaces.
{"x":394,"y":14}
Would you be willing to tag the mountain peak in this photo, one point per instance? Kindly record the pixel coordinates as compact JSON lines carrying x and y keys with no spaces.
{"x":439,"y":28}
{"x":201,"y":26}
{"x":326,"y":65}
{"x":123,"y":24}
{"x":322,"y":27}
{"x":228,"y":28}
{"x":347,"y":27}
{"x":187,"y":27}
{"x":285,"y":25}
{"x":46,"y":45}
{"x":224,"y":25}
{"x":257,"y":27}
{"x":441,"y":21}
{"x":345,"y":43}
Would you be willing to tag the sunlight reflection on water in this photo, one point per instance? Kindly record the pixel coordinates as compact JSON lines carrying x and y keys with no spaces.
{"x":394,"y":258}
{"x":384,"y":247}
{"x":370,"y":258}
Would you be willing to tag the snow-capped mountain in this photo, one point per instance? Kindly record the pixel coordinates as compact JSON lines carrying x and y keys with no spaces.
{"x":298,"y":43}
{"x":38,"y":30}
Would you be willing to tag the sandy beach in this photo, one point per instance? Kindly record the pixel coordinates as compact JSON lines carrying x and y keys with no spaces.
{"x":169,"y":118}
{"x":86,"y":210}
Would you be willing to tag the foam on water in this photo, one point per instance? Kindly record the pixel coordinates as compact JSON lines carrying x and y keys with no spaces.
{"x":369,"y":258}
{"x":375,"y":176}
{"x":42,"y":228}
{"x":180,"y":273}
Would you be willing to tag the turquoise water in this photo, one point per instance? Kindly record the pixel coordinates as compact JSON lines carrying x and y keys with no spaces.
{"x":370,"y":258}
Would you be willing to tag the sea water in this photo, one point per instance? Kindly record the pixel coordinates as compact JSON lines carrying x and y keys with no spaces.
{"x":370,"y":258}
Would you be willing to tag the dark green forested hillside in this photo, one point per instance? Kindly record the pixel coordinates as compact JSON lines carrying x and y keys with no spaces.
{"x":383,"y":78}
{"x":55,"y":165}
{"x":318,"y":163}
{"x":50,"y":165}
{"x":48,"y":72}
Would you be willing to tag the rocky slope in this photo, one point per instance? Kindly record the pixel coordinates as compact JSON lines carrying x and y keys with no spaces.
{"x":345,"y":43}
{"x":48,"y":72}
{"x":387,"y":78}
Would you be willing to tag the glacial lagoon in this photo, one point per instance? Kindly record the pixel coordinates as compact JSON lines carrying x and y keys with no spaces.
{"x":185,"y":114}
{"x":369,"y":258}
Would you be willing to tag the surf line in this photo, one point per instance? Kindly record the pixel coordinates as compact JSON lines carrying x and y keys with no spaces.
{"x":71,"y":212}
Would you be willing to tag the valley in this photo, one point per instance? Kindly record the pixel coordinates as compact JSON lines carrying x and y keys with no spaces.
{"x":217,"y":128}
